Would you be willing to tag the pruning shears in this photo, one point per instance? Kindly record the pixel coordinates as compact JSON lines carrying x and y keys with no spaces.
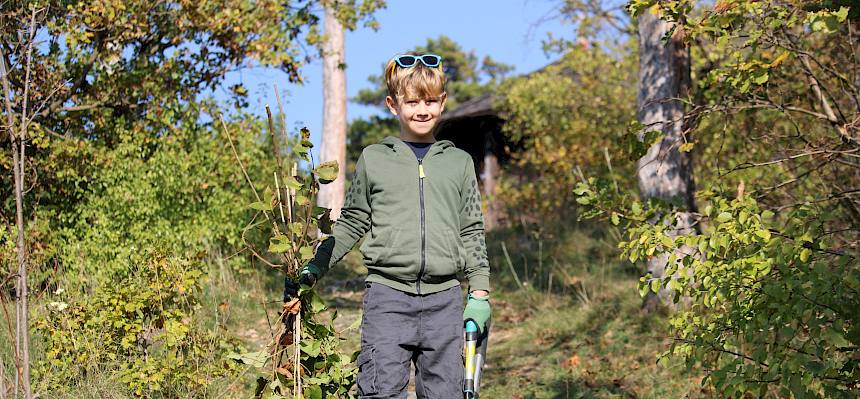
{"x":475,"y":351}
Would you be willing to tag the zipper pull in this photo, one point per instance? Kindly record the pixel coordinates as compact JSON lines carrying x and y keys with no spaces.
{"x":420,"y":170}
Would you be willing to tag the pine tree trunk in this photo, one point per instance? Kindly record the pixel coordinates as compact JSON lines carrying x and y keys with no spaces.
{"x":664,"y":172}
{"x":333,"y":146}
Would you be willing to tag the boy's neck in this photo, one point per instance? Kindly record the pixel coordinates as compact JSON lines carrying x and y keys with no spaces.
{"x":414,"y":138}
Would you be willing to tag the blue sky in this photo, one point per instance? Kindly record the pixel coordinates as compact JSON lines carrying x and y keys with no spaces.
{"x":509,"y":31}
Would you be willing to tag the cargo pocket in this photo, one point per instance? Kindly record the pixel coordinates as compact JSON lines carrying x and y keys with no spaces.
{"x":366,"y":371}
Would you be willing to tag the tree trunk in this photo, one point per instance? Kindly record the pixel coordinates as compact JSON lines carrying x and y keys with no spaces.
{"x":489,"y":176}
{"x":22,"y":325}
{"x":333,"y":146}
{"x":664,"y":172}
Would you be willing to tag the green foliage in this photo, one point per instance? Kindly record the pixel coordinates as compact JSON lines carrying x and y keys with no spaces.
{"x":178,"y":193}
{"x":141,"y":329}
{"x":770,"y":286}
{"x":772,"y":303}
{"x":123,"y":162}
{"x":566,"y":119}
{"x":304,"y":356}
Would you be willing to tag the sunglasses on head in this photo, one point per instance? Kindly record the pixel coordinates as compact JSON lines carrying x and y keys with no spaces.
{"x":409,"y":61}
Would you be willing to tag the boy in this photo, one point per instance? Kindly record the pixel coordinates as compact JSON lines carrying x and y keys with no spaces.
{"x":418,"y":198}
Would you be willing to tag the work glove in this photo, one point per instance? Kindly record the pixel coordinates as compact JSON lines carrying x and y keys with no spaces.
{"x":478,"y":310}
{"x":308,"y":276}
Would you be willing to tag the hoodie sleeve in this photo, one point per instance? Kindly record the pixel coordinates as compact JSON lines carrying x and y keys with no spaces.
{"x":353,"y":223}
{"x":472,"y":231}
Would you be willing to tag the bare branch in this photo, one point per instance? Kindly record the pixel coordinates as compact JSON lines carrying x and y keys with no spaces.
{"x":828,"y":110}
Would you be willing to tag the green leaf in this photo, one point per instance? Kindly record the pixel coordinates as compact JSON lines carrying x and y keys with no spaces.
{"x":686,"y":147}
{"x":842,"y":14}
{"x":764,"y":234}
{"x":724,"y":217}
{"x":814,"y":367}
{"x":256,"y":359}
{"x":300,"y":151}
{"x":278,"y":244}
{"x":311,"y":347}
{"x":326,"y":172}
{"x":804,"y":254}
{"x":306,"y":253}
{"x":295,"y":227}
{"x":760,"y":78}
{"x":293,"y":183}
{"x":614,"y":218}
{"x":261,"y":206}
{"x":314,"y":392}
{"x":643,"y":287}
{"x":316,"y":303}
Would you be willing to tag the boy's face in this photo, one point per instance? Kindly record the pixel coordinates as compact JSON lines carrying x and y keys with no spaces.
{"x":417,"y":116}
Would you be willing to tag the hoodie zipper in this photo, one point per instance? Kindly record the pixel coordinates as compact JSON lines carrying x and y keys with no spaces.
{"x":423,"y":224}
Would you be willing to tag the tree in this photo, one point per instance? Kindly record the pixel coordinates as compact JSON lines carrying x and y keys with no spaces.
{"x":104,"y":93}
{"x":333,"y":146}
{"x":664,"y":172}
{"x":772,"y":278}
{"x":22,"y":319}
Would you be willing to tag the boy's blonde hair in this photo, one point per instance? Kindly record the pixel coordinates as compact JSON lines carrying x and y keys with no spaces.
{"x":419,"y":81}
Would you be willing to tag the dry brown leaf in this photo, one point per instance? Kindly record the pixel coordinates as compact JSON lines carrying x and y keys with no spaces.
{"x":722,"y":6}
{"x":293,"y":306}
{"x":286,"y":339}
{"x":572,"y":362}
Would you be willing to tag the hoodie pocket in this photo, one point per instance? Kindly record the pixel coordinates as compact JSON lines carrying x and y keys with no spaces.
{"x":377,"y":250}
{"x":443,"y":256}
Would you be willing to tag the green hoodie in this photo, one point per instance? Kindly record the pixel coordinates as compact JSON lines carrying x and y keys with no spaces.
{"x":424,"y":219}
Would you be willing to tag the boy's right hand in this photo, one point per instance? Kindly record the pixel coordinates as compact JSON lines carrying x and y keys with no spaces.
{"x":308,"y":277}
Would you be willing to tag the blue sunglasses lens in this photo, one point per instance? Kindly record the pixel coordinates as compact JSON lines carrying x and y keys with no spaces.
{"x":430,"y":60}
{"x":407,"y":60}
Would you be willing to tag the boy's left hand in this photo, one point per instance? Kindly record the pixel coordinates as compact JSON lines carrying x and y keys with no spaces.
{"x":478,"y":310}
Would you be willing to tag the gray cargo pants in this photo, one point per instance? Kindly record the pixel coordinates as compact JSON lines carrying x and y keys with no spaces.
{"x":398,"y":328}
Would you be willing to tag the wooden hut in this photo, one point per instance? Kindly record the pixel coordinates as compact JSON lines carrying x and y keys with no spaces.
{"x":475,"y":127}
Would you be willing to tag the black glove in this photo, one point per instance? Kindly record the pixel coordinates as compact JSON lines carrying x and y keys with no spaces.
{"x":307,"y":277}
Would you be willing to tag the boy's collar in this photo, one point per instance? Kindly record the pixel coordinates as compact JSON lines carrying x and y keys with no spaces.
{"x":396,"y":142}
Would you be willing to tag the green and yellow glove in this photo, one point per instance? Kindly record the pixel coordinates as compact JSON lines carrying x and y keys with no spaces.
{"x":478,"y":310}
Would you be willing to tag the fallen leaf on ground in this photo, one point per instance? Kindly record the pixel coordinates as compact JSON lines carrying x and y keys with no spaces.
{"x":572,"y":362}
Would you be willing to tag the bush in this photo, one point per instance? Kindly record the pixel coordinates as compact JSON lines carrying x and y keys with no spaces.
{"x":141,"y":329}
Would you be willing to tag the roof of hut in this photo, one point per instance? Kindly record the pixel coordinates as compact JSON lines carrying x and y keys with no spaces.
{"x":478,"y":106}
